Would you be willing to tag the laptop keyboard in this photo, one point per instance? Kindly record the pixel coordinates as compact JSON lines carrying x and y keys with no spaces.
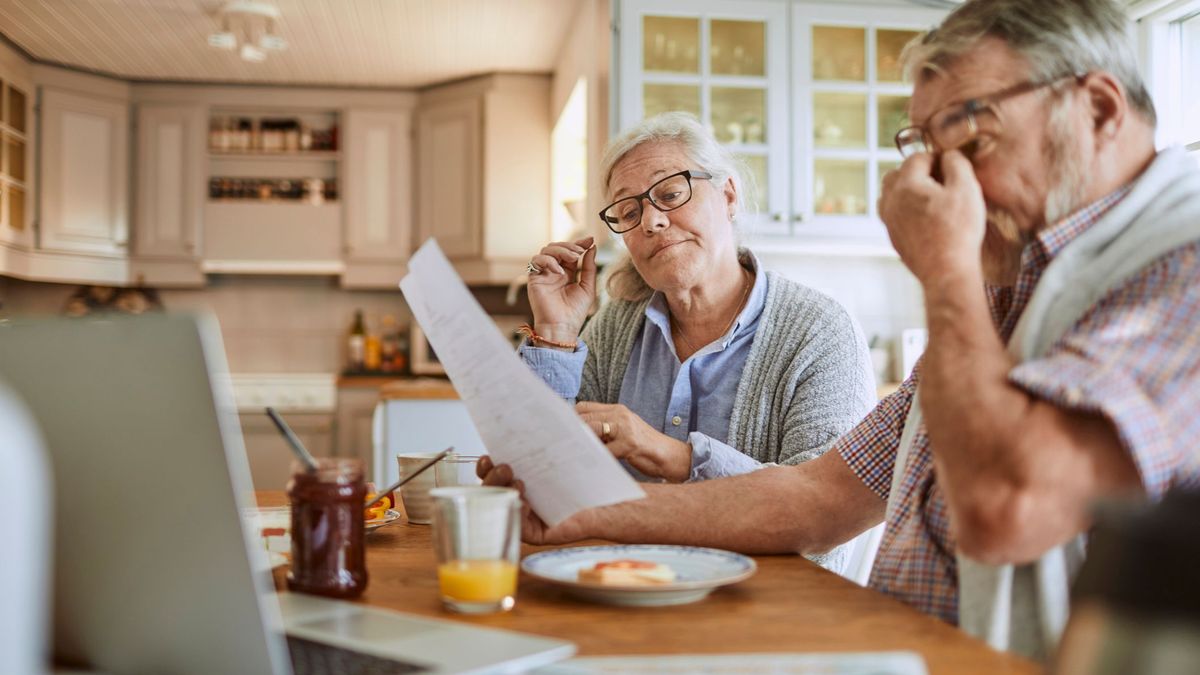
{"x":316,"y":658}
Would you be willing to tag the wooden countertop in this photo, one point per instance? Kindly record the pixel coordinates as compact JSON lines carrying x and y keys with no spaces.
{"x":789,"y":605}
{"x":426,"y":388}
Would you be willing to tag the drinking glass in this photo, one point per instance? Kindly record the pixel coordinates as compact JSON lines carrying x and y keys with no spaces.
{"x":477,"y":539}
{"x":456,"y":470}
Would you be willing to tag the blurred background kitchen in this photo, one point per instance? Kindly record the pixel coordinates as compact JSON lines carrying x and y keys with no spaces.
{"x":277,"y":161}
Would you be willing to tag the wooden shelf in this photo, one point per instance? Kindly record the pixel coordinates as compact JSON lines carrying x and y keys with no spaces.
{"x":321,"y":155}
{"x":296,"y":202}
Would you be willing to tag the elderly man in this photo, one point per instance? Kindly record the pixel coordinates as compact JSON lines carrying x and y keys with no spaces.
{"x":1062,"y":364}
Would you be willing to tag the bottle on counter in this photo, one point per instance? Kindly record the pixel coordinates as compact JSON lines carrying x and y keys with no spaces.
{"x":373,"y":352}
{"x":390,"y":345}
{"x":400,"y":362}
{"x":357,"y":342}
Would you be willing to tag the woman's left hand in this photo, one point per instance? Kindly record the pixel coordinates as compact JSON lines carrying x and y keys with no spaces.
{"x":629,"y":438}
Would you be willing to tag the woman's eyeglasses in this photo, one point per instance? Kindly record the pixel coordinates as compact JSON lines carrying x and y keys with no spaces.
{"x":667,"y":194}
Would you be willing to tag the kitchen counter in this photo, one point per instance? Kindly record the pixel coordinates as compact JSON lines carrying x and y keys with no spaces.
{"x":425,"y":388}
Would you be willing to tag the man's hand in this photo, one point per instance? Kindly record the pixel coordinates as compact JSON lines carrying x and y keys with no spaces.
{"x":533,"y":529}
{"x":629,"y":438}
{"x":936,"y":227}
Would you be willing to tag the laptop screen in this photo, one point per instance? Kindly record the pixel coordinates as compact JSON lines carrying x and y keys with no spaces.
{"x":152,"y":569}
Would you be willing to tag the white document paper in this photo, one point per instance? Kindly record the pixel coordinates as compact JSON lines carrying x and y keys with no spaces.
{"x":521,"y":421}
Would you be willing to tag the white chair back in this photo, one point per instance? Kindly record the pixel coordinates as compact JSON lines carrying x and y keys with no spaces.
{"x":25,"y":500}
{"x":862,"y":555}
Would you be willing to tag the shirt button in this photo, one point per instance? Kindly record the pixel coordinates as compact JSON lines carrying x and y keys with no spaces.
{"x":677,"y":420}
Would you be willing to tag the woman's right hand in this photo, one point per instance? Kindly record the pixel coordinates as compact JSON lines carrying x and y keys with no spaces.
{"x":563,"y":292}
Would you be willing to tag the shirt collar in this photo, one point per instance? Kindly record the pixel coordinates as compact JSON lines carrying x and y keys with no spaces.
{"x":1052,"y":240}
{"x":658,"y":313}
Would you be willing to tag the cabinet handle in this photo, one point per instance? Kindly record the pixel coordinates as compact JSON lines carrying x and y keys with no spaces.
{"x":777,"y":217}
{"x":798,"y":218}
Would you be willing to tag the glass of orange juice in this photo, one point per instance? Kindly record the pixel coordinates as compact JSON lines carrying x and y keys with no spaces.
{"x":477,"y":538}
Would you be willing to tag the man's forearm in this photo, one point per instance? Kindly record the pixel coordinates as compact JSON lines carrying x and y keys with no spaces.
{"x":805,"y":509}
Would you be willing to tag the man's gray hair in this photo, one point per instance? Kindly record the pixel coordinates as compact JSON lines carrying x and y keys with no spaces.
{"x":702,"y":150}
{"x":1056,"y":37}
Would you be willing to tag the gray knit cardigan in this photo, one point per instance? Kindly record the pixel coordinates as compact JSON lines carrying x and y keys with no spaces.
{"x":807,"y":380}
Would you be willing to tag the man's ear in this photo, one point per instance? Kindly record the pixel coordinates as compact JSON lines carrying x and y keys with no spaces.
{"x":1108,"y":106}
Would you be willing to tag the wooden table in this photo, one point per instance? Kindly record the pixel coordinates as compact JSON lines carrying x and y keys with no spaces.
{"x":790,"y":605}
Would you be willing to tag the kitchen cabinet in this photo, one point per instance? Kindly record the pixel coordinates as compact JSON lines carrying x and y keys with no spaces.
{"x":483,"y":173}
{"x":169,"y":194}
{"x":16,"y":152}
{"x":268,"y":453}
{"x":377,"y":193}
{"x":355,"y":411}
{"x":807,"y":95}
{"x":85,"y":170}
{"x":725,"y":62}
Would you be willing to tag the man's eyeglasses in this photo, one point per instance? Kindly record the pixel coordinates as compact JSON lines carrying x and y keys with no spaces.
{"x":667,"y":194}
{"x":958,"y":127}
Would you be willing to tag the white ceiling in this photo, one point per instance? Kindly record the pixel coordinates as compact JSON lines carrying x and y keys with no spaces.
{"x":363,"y":43}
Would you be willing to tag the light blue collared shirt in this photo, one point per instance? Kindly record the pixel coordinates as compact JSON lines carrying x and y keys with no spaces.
{"x":689,"y":401}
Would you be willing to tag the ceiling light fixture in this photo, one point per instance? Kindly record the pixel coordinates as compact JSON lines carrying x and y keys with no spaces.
{"x":249,"y":27}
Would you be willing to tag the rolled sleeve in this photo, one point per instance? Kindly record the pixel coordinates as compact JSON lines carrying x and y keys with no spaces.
{"x":562,"y":371}
{"x":1081,"y":385}
{"x":713,"y":459}
{"x":870,"y":448}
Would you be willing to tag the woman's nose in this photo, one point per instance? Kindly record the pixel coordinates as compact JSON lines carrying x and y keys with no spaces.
{"x":654,"y":220}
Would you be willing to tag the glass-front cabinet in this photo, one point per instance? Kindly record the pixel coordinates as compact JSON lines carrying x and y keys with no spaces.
{"x":16,"y":108}
{"x":850,"y":100}
{"x":809,"y":97}
{"x":726,"y":63}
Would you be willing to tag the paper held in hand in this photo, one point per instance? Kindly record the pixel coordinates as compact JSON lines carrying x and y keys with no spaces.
{"x":522,"y":422}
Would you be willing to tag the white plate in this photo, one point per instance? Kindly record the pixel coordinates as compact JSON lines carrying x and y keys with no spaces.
{"x":391,"y":517}
{"x":698,"y":570}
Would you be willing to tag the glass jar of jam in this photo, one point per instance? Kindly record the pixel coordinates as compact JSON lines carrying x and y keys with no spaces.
{"x":327,"y":529}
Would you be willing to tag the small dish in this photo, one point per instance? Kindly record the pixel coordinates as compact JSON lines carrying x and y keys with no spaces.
{"x":699,"y":570}
{"x":390,"y":517}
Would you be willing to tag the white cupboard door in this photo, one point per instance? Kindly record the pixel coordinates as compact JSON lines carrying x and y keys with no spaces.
{"x":378,"y":185}
{"x":449,"y":184}
{"x":726,"y":62}
{"x":170,"y":180}
{"x":85,"y":171}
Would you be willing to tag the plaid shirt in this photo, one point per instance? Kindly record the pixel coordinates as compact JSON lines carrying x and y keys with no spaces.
{"x":1133,"y":357}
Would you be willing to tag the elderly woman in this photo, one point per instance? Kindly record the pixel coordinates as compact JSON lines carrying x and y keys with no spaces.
{"x":702,"y":365}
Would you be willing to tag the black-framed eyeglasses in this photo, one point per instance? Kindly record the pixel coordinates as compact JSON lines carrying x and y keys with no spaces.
{"x":667,"y":194}
{"x":958,"y":127}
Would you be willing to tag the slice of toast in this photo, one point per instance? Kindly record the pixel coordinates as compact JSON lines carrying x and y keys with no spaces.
{"x":628,"y":573}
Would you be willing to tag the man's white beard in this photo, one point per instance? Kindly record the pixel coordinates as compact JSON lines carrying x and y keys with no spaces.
{"x":1066,"y":168}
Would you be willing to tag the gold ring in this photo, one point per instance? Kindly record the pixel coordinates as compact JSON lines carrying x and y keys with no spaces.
{"x":605,"y":431}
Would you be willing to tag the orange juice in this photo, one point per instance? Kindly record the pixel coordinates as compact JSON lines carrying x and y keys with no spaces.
{"x":478,"y":580}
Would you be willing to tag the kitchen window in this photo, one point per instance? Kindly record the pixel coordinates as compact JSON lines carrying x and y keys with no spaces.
{"x":1169,"y":46}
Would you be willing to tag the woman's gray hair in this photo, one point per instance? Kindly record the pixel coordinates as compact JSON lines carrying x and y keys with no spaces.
{"x":1057,"y":38}
{"x":701,"y":148}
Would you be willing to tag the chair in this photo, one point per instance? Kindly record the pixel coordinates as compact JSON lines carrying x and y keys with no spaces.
{"x":26,"y":498}
{"x":862,"y":555}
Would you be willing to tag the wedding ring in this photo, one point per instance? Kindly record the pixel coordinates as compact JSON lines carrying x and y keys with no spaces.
{"x":605,"y":431}
{"x":533,"y":269}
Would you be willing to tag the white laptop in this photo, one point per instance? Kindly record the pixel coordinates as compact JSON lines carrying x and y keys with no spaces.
{"x":153,"y":570}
